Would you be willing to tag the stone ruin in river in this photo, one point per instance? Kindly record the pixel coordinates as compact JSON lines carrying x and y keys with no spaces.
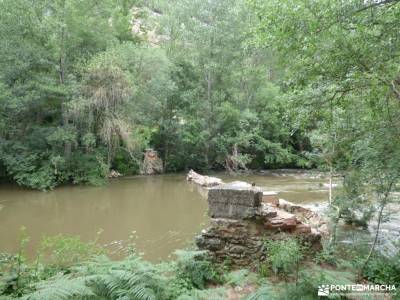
{"x":243,"y":217}
{"x":152,"y":163}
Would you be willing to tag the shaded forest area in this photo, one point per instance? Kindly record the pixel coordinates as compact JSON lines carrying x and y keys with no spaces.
{"x":86,"y":86}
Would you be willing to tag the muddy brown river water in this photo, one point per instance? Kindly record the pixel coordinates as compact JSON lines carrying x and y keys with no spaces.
{"x":165,"y":211}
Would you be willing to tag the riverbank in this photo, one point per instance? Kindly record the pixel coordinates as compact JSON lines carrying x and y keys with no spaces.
{"x":67,"y":268}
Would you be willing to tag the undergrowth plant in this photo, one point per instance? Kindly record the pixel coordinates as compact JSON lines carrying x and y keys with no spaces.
{"x":196,"y":269}
{"x":284,"y":256}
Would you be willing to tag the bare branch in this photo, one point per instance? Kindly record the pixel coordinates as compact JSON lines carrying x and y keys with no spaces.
{"x":376,"y":3}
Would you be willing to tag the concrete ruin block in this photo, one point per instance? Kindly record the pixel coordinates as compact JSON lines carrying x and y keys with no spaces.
{"x":235,"y":200}
{"x":270,"y":198}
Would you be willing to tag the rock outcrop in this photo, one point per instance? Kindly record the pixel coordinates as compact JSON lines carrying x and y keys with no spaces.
{"x":152,"y":164}
{"x":241,"y":221}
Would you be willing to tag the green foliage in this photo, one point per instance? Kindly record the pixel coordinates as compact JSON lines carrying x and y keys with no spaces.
{"x":263,"y":292}
{"x":240,"y":277}
{"x":87,"y":168}
{"x":102,"y":278}
{"x":326,"y":256}
{"x":194,"y":267}
{"x":284,"y":256}
{"x":344,"y":90}
{"x":60,"y":288}
{"x":215,"y":294}
{"x":76,"y":102}
{"x":88,"y":275}
{"x":15,"y":274}
{"x":305,"y":287}
{"x":383,"y":270}
{"x":311,"y":279}
{"x":61,"y":251}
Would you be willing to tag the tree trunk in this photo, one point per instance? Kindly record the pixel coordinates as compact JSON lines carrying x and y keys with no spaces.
{"x":376,"y":236}
{"x":383,"y":204}
{"x":330,"y":183}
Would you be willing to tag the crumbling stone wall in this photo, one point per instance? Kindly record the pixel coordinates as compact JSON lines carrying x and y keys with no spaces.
{"x":241,"y":222}
{"x":238,"y":241}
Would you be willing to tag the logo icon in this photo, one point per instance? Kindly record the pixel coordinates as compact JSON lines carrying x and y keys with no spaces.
{"x":323,"y":290}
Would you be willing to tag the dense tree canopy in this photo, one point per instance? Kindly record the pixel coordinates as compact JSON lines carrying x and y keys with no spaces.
{"x":341,"y":71}
{"x":86,"y":86}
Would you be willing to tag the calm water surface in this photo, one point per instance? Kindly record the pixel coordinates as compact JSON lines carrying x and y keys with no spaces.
{"x":165,"y":211}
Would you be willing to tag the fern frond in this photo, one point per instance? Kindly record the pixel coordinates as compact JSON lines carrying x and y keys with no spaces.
{"x":214,"y":294}
{"x":60,"y":288}
{"x":265,"y":292}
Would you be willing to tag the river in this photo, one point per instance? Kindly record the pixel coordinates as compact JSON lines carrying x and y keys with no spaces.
{"x":164,"y":212}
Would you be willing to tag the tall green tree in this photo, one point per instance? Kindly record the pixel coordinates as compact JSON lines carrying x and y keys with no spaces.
{"x":342,"y":60}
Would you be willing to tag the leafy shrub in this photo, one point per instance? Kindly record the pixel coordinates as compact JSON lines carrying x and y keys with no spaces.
{"x":326,"y":255}
{"x":196,"y":269}
{"x":43,"y":170}
{"x":178,"y":286}
{"x":124,"y":164}
{"x":284,"y":256}
{"x":29,"y":168}
{"x":383,"y":270}
{"x":15,"y":274}
{"x":87,"y":168}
